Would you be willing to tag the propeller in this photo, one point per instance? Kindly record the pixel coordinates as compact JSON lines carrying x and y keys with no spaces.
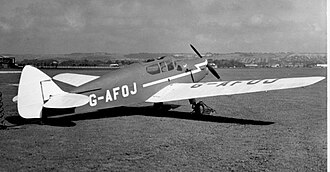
{"x":211,"y":69}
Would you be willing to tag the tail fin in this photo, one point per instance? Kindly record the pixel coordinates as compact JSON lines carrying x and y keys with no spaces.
{"x":36,"y":88}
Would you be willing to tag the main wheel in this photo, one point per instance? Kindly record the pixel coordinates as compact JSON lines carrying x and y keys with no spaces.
{"x":199,"y":108}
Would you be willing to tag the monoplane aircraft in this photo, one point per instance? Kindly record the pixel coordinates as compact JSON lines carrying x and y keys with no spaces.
{"x":159,"y":80}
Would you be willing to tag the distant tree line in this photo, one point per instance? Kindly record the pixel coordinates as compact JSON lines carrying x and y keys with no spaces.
{"x":121,"y":62}
{"x":37,"y":63}
{"x":70,"y":62}
{"x":223,"y":63}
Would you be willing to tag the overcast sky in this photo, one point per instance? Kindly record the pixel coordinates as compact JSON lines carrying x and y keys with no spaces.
{"x":126,"y":26}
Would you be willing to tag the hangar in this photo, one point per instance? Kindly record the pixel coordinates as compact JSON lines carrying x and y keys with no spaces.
{"x":7,"y":61}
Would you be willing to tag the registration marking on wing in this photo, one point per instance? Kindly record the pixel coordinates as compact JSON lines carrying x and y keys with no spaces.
{"x":181,"y":91}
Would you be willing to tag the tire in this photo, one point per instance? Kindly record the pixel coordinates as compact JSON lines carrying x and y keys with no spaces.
{"x":199,"y":108}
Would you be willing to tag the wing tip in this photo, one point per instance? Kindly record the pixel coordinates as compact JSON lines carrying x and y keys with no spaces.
{"x":318,"y":78}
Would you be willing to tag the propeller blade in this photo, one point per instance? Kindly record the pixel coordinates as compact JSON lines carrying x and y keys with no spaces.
{"x":196,"y":51}
{"x":211,"y":69}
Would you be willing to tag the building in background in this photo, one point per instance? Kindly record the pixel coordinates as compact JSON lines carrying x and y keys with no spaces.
{"x":7,"y":61}
{"x":322,"y":65}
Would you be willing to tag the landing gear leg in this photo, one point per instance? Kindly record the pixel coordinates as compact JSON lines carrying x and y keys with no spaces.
{"x":192,"y":102}
{"x":200,"y":108}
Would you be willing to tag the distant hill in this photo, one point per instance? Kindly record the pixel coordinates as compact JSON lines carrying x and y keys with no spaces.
{"x":74,"y":56}
{"x":265,"y":59}
{"x":145,"y":56}
{"x":246,"y":58}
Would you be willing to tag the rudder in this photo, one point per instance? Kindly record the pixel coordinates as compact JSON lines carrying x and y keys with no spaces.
{"x":35,"y":87}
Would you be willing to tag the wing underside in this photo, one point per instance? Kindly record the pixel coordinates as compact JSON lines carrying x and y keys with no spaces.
{"x":182,"y":91}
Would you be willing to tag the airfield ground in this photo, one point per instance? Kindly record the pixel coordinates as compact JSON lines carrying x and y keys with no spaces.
{"x":269,"y":131}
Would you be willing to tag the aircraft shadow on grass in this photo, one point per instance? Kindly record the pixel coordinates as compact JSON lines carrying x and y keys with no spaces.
{"x":67,"y":121}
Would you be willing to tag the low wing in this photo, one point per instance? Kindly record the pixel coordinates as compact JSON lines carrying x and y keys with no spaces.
{"x":74,"y":79}
{"x":182,"y":91}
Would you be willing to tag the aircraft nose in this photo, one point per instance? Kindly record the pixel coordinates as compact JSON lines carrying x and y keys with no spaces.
{"x":206,"y":70}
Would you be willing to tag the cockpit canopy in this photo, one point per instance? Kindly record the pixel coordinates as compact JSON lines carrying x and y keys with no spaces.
{"x":162,"y":65}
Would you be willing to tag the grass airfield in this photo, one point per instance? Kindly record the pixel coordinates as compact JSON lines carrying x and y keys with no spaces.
{"x":281,"y":130}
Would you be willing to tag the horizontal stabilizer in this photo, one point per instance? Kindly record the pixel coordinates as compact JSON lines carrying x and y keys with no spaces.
{"x":67,"y":100}
{"x":37,"y":90}
{"x":14,"y":85}
{"x":74,"y":79}
{"x":182,"y":91}
{"x":15,"y":99}
{"x":34,"y":88}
